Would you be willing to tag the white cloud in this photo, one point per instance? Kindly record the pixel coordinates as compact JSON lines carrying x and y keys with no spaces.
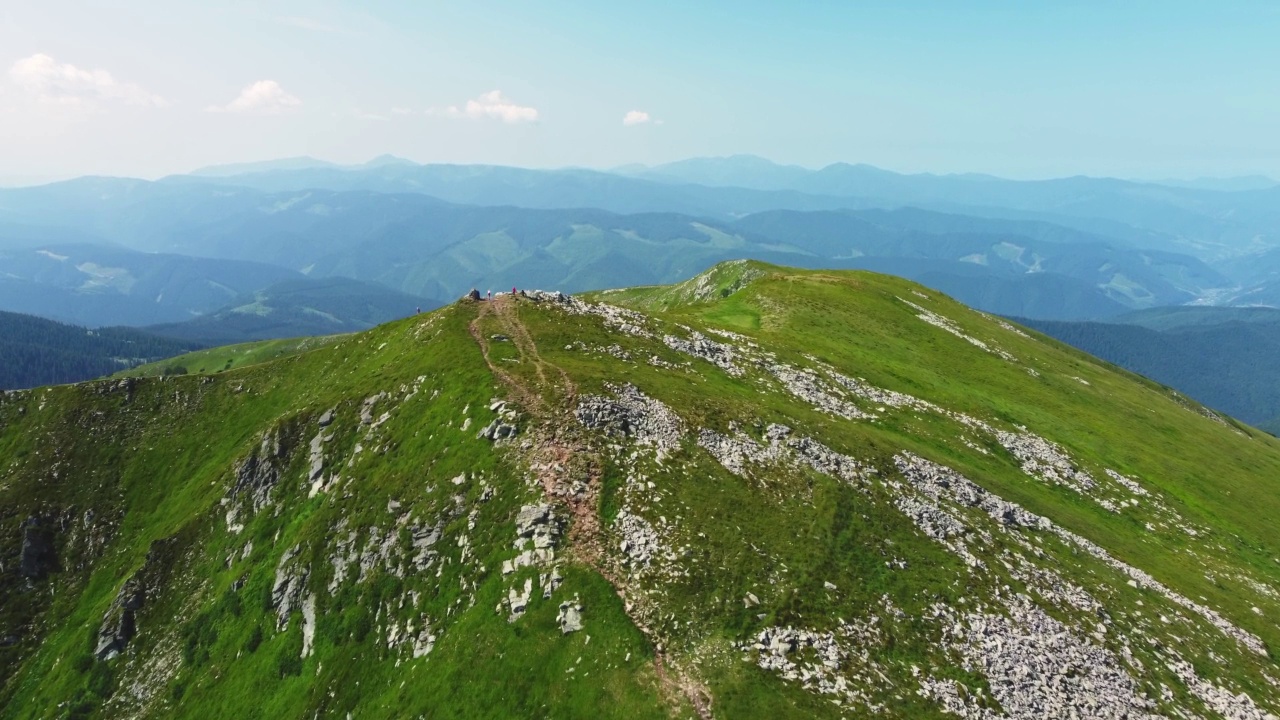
{"x":264,"y":96}
{"x":493,"y":106}
{"x":636,"y":117}
{"x":65,"y":84}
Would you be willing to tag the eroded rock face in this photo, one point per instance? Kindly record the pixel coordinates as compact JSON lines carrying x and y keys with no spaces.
{"x":289,"y":587}
{"x":537,"y":524}
{"x":38,"y":558}
{"x":119,"y":625}
{"x":258,"y":474}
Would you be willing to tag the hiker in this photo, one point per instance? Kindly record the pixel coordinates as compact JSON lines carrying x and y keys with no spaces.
{"x":513,"y":289}
{"x":490,"y":295}
{"x":418,"y":311}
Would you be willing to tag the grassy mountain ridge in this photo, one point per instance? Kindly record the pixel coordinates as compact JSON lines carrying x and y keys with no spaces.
{"x":761,"y":492}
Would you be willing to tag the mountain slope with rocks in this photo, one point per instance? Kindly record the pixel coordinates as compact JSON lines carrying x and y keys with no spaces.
{"x":762,"y":492}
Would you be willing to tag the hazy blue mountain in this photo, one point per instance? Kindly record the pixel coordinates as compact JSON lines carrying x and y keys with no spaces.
{"x":1037,"y":295}
{"x":297,"y":308}
{"x":745,"y":171}
{"x":386,"y":160}
{"x":1196,"y":316}
{"x":1225,"y":184}
{"x":294,"y":163}
{"x":1134,"y":278}
{"x":35,"y":351}
{"x":1210,"y":224}
{"x":423,"y":246}
{"x":96,"y":285}
{"x":540,"y":189}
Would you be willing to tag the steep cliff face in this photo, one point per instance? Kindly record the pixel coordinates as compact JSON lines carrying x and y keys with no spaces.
{"x":760,"y":492}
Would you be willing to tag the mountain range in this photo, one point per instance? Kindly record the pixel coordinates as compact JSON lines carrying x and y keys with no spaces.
{"x":402,"y":225}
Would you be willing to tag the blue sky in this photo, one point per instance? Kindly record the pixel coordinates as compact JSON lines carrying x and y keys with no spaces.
{"x":1026,"y":90}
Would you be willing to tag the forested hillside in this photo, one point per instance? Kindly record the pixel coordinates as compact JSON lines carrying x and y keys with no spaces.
{"x":1230,"y":366}
{"x":35,"y":351}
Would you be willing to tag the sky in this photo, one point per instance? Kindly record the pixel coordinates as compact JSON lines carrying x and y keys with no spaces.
{"x":1137,"y":89}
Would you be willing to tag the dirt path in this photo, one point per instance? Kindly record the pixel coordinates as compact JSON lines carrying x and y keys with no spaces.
{"x":565,"y":467}
{"x":505,"y":311}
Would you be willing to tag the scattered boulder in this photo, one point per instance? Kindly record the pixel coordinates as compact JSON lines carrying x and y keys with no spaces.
{"x":519,"y":601}
{"x":498,"y":430}
{"x":327,"y":418}
{"x":366,"y":408}
{"x":570,"y":616}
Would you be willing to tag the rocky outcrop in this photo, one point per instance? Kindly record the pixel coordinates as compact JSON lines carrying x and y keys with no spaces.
{"x":289,"y":587}
{"x":498,"y":430}
{"x":504,"y":426}
{"x":1036,"y":667}
{"x":259,"y":473}
{"x":700,"y":346}
{"x":518,"y":601}
{"x":570,"y":616}
{"x":640,"y":544}
{"x":119,"y":625}
{"x":37,"y":558}
{"x":633,"y":414}
{"x":537,"y":523}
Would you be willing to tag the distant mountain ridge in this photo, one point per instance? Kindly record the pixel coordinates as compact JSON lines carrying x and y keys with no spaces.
{"x":99,"y":285}
{"x":298,"y":308}
{"x":424,"y":246}
{"x":1212,"y":224}
{"x":1070,"y":248}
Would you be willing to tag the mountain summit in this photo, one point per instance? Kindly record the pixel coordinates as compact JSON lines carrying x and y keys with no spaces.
{"x":762,"y":492}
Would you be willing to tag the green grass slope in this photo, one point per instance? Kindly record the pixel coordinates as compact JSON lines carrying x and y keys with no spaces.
{"x":228,"y":357}
{"x":761,"y":493}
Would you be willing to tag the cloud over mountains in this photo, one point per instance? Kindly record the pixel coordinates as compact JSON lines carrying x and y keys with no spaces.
{"x":493,"y":105}
{"x":263,"y":96}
